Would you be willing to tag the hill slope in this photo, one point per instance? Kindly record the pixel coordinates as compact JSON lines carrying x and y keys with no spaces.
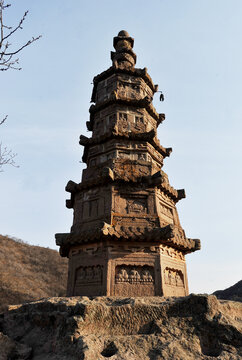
{"x":29,"y":272}
{"x":232,"y":293}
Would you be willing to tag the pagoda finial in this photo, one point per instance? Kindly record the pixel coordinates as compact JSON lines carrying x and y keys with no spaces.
{"x":123,"y":57}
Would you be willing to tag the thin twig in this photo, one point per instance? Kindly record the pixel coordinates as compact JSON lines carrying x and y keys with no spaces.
{"x":3,"y":120}
{"x":7,"y":157}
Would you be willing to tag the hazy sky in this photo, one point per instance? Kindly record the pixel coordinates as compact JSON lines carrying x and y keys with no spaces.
{"x":193,"y":50}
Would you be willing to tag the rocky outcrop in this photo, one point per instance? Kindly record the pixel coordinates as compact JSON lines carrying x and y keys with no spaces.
{"x":151,"y":328}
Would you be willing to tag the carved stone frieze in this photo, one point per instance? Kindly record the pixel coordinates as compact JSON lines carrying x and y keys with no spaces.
{"x":141,"y":275}
{"x":130,"y":249}
{"x":130,"y":150}
{"x":121,"y":119}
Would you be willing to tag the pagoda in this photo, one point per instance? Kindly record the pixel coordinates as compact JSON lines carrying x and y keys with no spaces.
{"x":126,"y":238}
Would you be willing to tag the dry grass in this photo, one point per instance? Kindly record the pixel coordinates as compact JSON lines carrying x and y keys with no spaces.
{"x":29,"y":272}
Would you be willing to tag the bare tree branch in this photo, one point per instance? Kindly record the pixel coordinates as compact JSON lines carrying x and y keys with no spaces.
{"x":7,"y":157}
{"x":7,"y":59}
{"x":19,"y":26}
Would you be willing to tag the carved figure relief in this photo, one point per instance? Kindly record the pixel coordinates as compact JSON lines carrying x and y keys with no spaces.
{"x":123,"y":122}
{"x":136,"y":206}
{"x":173,"y":277}
{"x":139,"y":123}
{"x":128,"y":89}
{"x":134,"y":274}
{"x":123,"y":117}
{"x":142,"y":156}
{"x":89,"y":275}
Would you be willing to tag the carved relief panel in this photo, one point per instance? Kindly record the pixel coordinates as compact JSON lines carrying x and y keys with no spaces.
{"x":104,"y":124}
{"x":122,"y":119}
{"x":132,"y":87}
{"x":173,"y":277}
{"x":132,"y":155}
{"x":139,"y":124}
{"x":123,"y":124}
{"x":101,"y":91}
{"x":130,"y":171}
{"x":105,"y":88}
{"x":93,"y":208}
{"x":131,"y":205}
{"x":90,"y":205}
{"x":136,"y":205}
{"x":174,"y":281}
{"x":134,"y":274}
{"x":89,"y":275}
{"x":134,"y":280}
{"x":165,"y":212}
{"x":89,"y":280}
{"x":163,"y":198}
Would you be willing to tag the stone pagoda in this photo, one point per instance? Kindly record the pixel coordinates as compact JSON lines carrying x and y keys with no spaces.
{"x":126,"y":238}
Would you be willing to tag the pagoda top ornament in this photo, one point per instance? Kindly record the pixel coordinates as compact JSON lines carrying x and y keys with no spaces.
{"x":126,"y":238}
{"x":124,"y":57}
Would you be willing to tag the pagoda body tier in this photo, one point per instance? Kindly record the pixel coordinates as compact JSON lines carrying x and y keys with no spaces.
{"x":126,"y":238}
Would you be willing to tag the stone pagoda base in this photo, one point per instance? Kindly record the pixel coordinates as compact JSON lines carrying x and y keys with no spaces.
{"x":137,"y":269}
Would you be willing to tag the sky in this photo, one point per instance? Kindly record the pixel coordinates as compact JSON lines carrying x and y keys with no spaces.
{"x":192,"y":49}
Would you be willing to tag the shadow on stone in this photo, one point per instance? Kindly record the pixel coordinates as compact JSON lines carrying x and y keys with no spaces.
{"x":210,"y":345}
{"x":154,"y":354}
{"x":109,"y":350}
{"x":151,"y":327}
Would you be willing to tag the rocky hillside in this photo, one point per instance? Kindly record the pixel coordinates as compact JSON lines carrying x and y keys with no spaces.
{"x":232,"y":293}
{"x":29,"y":272}
{"x":151,"y":328}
